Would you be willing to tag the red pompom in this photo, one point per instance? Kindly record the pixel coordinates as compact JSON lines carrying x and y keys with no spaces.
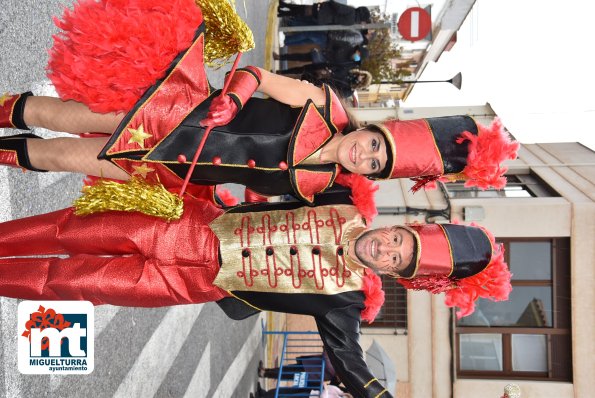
{"x":362,"y":193}
{"x":487,"y":150}
{"x":374,"y":296}
{"x":110,"y":51}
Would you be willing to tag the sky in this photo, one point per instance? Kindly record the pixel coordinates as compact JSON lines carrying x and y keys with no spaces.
{"x":533,"y":61}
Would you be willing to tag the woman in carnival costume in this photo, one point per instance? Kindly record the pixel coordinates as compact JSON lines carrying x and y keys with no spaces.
{"x":135,"y":69}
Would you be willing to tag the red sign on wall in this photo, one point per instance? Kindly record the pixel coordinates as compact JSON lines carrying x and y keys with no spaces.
{"x":415,"y":24}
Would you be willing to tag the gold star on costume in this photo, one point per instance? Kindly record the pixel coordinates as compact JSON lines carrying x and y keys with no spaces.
{"x":5,"y":97}
{"x":139,"y":136}
{"x":142,"y":170}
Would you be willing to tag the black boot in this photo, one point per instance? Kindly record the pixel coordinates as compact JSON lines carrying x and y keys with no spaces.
{"x":12,"y":108}
{"x":13,"y":151}
{"x":260,"y":392}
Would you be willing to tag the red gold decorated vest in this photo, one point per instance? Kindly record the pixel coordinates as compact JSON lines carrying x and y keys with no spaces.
{"x":302,"y":250}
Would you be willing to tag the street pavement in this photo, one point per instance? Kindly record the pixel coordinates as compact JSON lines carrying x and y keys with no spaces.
{"x":185,"y":351}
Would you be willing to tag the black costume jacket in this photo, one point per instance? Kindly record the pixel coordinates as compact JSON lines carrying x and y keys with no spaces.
{"x":264,"y":147}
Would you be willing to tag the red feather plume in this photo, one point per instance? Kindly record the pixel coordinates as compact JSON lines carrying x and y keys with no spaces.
{"x":110,"y":51}
{"x":374,"y":296}
{"x":362,"y":193}
{"x":226,"y":196}
{"x":493,"y":282}
{"x":487,"y":150}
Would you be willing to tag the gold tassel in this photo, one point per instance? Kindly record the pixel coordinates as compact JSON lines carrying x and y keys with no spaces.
{"x":454,"y":177}
{"x":134,"y":195}
{"x":226,"y":33}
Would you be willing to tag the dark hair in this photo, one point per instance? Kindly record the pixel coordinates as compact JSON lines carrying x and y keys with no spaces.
{"x":352,"y":122}
{"x":364,"y":52}
{"x":362,"y":14}
{"x":410,"y":270}
{"x":385,"y":173}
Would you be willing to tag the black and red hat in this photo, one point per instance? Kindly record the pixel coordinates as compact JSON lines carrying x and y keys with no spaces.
{"x":450,"y":147}
{"x":463,"y":261}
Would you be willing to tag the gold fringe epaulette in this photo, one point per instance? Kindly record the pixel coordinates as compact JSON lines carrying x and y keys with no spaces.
{"x":226,"y":33}
{"x":134,"y":195}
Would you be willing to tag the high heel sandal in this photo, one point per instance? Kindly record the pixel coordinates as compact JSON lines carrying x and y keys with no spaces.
{"x":12,"y":108}
{"x":13,"y":151}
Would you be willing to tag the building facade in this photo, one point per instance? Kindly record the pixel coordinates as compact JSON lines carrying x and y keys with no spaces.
{"x":542,"y":338}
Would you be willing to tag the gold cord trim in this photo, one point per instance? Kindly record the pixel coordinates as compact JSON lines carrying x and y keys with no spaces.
{"x":452,"y":260}
{"x":370,"y":382}
{"x":381,"y":393}
{"x":244,"y":301}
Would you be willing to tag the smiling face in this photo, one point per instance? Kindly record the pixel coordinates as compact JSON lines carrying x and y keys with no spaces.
{"x":385,"y":250}
{"x":362,"y":152}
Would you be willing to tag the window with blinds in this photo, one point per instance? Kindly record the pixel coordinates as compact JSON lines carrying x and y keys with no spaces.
{"x":528,"y":336}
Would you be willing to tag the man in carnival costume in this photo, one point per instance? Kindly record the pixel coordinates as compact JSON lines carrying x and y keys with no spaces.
{"x":285,"y":257}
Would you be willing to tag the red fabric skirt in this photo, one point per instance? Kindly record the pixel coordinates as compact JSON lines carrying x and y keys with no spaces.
{"x":126,"y":259}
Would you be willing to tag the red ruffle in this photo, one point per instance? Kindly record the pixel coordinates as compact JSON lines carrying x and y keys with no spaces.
{"x":433,"y":284}
{"x":111,"y":51}
{"x":426,"y":182}
{"x":362,"y":193}
{"x":374,"y":296}
{"x":487,"y":150}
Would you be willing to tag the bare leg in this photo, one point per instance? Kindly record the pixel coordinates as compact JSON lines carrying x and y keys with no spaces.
{"x":77,"y":155}
{"x":68,"y":116}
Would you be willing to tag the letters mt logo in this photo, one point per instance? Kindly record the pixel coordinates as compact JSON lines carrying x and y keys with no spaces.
{"x":56,"y":337}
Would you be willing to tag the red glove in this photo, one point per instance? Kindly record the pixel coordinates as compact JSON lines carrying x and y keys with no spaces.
{"x":222,"y":111}
{"x":224,"y":108}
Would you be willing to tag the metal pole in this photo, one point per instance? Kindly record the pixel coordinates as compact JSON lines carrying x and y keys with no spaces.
{"x":316,"y":28}
{"x":456,"y":81}
{"x":414,"y":81}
